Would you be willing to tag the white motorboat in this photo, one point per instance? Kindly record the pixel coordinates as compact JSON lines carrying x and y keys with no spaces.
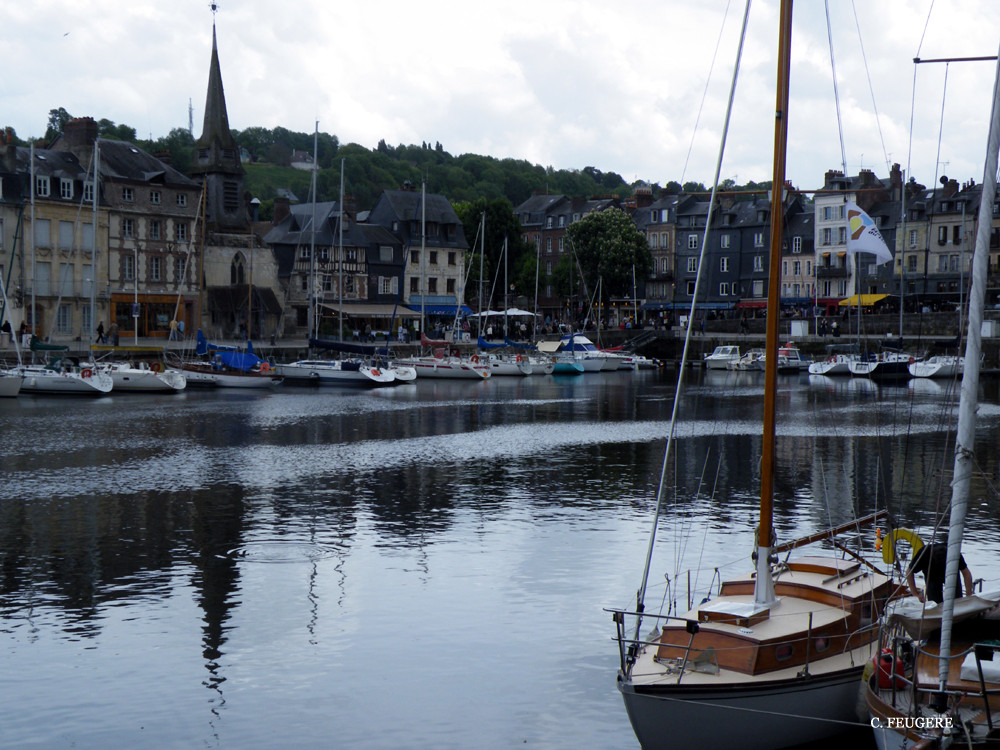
{"x":10,"y":384}
{"x":790,"y":359}
{"x":144,"y":377}
{"x":63,"y":380}
{"x":938,"y":366}
{"x":454,"y":368}
{"x":541,"y":365}
{"x":344,"y":372}
{"x":835,"y":364}
{"x":882,"y":366}
{"x":720,"y":357}
{"x":751,"y":361}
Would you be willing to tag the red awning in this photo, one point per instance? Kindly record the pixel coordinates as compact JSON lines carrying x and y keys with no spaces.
{"x":751,"y":303}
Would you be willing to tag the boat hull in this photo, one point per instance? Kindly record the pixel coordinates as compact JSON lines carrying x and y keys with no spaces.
{"x":137,"y":380}
{"x":754,"y":716}
{"x":10,"y":385}
{"x":39,"y":380}
{"x":453,"y":370}
{"x":334,"y":373}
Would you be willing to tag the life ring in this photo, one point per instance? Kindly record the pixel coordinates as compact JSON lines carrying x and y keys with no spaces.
{"x":520,"y":358}
{"x":833,"y":358}
{"x":156,"y":367}
{"x":912,"y":360}
{"x":265,"y":367}
{"x":86,"y":372}
{"x":474,"y":359}
{"x":889,"y":543}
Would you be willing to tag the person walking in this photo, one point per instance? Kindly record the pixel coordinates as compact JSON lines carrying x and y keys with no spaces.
{"x":113,"y":332}
{"x":101,"y":339}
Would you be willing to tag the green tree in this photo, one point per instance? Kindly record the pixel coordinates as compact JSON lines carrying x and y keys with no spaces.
{"x":57,"y":121}
{"x":607,"y":245}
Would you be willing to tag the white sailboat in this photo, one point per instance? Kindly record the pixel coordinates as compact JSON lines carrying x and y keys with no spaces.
{"x":774,"y":659}
{"x":937,"y":681}
{"x":143,"y":378}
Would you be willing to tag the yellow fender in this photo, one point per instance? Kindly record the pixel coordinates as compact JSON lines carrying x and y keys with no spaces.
{"x":889,"y":543}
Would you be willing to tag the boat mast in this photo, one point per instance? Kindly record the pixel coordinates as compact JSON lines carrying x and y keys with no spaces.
{"x":340,"y":280}
{"x":966,"y":434}
{"x":313,"y":323}
{"x":764,"y":585}
{"x":31,"y":178}
{"x":93,"y":246}
{"x":423,"y":251}
{"x":482,"y":252}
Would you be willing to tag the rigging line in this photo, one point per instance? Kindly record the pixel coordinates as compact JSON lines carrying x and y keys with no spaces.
{"x":640,"y":595}
{"x":926,"y":24}
{"x":871,"y":89}
{"x":836,"y":95}
{"x":704,"y":95}
{"x":937,"y":159}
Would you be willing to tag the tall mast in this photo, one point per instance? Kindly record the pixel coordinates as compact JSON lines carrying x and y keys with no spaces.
{"x":313,"y":322}
{"x":423,"y":251}
{"x":764,"y":585}
{"x":482,"y":252}
{"x":966,"y":433}
{"x":93,"y":245}
{"x":340,"y":242}
{"x":31,"y":178}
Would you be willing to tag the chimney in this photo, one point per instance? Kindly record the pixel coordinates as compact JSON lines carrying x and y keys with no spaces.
{"x":164,"y":156}
{"x":832,"y":175}
{"x":281,"y":209}
{"x":643,"y":196}
{"x":950,"y":188}
{"x":80,"y":132}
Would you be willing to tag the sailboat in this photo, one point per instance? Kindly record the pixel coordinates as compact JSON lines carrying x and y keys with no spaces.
{"x":937,"y":678}
{"x":774,"y":658}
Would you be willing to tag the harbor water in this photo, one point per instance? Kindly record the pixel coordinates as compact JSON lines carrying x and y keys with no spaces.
{"x":426,"y":566}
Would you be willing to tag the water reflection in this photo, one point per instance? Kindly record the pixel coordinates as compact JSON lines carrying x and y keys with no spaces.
{"x":294,"y":552}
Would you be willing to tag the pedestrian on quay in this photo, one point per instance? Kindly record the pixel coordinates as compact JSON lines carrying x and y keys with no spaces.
{"x":101,"y":338}
{"x":113,"y":332}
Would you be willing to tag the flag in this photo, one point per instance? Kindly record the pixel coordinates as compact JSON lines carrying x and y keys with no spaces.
{"x":863,"y":236}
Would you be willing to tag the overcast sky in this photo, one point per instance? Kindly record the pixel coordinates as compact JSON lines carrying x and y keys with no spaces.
{"x":561,"y":83}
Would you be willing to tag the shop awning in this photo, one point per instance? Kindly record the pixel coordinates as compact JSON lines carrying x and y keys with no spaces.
{"x":866,"y":299}
{"x":371,"y":310}
{"x":747,"y":304}
{"x":443,"y":310}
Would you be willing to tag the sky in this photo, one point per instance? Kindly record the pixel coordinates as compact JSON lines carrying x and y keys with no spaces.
{"x":639,"y":87}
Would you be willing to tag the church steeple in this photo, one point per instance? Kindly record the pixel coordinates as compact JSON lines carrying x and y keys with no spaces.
{"x":217,"y":160}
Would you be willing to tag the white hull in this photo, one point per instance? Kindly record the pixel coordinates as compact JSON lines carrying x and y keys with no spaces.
{"x":403,"y":373}
{"x":40,"y":380}
{"x":515,"y":368}
{"x":540,"y":366}
{"x":749,"y":716}
{"x":938,"y":367}
{"x":721,"y":357}
{"x":323,"y":372}
{"x":134,"y":379}
{"x":207,"y":375}
{"x":838,"y":364}
{"x":885,"y":366}
{"x":430,"y":367}
{"x":10,"y":384}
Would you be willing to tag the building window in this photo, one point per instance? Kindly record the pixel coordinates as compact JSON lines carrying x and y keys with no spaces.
{"x":809,"y":268}
{"x":956,"y":235}
{"x":953,"y":262}
{"x":432,"y":285}
{"x":692,"y":265}
{"x":182,"y":199}
{"x":562,"y":221}
{"x":664,"y":240}
{"x":323,"y":253}
{"x":911,"y":263}
{"x":128,"y":196}
{"x":548,"y":268}
{"x":548,"y":222}
{"x":155,"y":268}
{"x":42,"y":187}
{"x":305,"y":251}
{"x":181,"y":232}
{"x":796,"y":244}
{"x":842,"y":235}
{"x":827,"y":213}
{"x":548,"y":244}
{"x":65,"y":235}
{"x":66,"y":279}
{"x":178,"y":270}
{"x":88,"y":192}
{"x":451,"y":259}
{"x":414,"y":285}
{"x":237,"y":270}
{"x":562,"y":244}
{"x":128,"y":228}
{"x":65,"y":188}
{"x":433,"y":259}
{"x":42,"y":238}
{"x":723,"y":264}
{"x":942,"y":263}
{"x":154,"y":229}
{"x":797,"y":268}
{"x":690,"y":289}
{"x":414,"y":257}
{"x":724,"y":289}
{"x":758,"y":239}
{"x":913,"y":238}
{"x":692,"y":242}
{"x":128,"y":267}
{"x":665,"y":266}
{"x":64,"y":319}
{"x":385,"y":254}
{"x":758,"y":263}
{"x":725,"y":241}
{"x":828,"y":236}
{"x":652,"y":241}
{"x":450,"y":285}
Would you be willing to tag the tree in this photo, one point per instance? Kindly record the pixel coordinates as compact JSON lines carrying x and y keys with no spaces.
{"x":57,"y":121}
{"x":501,"y":225}
{"x":607,"y":246}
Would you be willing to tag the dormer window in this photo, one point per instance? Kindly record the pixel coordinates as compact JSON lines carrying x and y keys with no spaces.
{"x":88,"y":191}
{"x":562,"y":221}
{"x":548,"y":222}
{"x":65,"y":188}
{"x":42,"y":187}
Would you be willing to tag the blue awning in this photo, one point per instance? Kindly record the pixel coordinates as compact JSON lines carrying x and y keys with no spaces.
{"x":444,"y":310}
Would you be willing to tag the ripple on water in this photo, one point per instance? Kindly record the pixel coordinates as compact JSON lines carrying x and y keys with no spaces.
{"x":282,"y":551}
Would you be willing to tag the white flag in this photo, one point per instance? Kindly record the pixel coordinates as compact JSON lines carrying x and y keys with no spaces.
{"x":863,"y":236}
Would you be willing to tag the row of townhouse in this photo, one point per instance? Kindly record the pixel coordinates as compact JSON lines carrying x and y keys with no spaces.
{"x":143,"y":244}
{"x":931,"y":233}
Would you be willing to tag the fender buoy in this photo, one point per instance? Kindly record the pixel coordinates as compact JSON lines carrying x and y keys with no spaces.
{"x":265,"y":367}
{"x":156,"y":367}
{"x":890,"y":670}
{"x":889,"y":543}
{"x":376,"y":373}
{"x":519,"y":358}
{"x":833,"y":359}
{"x":474,"y":359}
{"x":86,"y":372}
{"x":912,"y":360}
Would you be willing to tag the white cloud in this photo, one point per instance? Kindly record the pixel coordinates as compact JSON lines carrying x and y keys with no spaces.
{"x":560,"y":83}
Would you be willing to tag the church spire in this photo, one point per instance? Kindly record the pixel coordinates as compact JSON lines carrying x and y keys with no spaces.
{"x":215,"y":130}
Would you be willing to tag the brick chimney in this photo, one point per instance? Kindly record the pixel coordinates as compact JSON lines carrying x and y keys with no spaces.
{"x":80,"y":132}
{"x":281,"y":209}
{"x":951,"y":188}
{"x":643,"y":196}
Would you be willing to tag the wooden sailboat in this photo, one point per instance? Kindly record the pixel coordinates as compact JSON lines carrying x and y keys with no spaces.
{"x":774,"y":659}
{"x":937,"y":682}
